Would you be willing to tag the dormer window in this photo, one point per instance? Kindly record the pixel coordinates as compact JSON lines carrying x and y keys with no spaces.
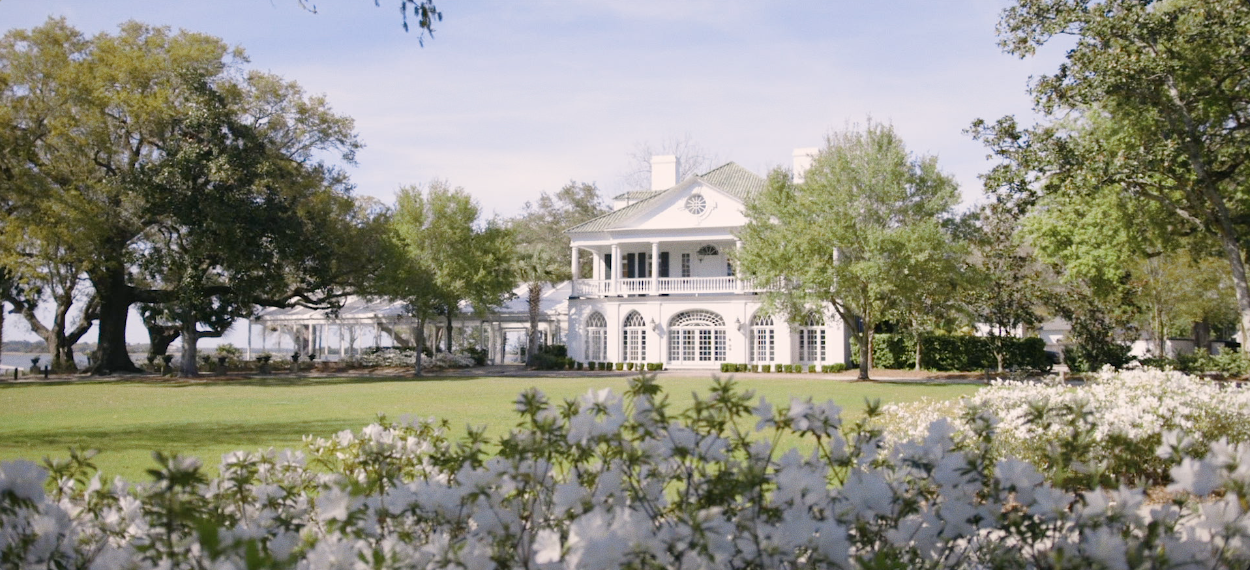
{"x":696,"y":204}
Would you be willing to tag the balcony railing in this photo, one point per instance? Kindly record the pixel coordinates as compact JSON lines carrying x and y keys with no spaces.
{"x":662,"y":286}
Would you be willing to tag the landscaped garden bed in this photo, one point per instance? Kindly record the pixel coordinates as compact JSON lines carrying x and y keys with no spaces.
{"x":604,"y":481}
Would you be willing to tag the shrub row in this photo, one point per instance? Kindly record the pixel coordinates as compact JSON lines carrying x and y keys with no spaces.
{"x":1106,"y":432}
{"x":782,"y":368}
{"x":623,"y":366}
{"x":1228,"y":362}
{"x":959,"y":352}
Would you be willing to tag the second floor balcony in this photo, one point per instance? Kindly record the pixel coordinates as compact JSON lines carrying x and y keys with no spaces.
{"x":662,"y":286}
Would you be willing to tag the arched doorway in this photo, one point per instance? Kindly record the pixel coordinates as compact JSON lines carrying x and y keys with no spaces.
{"x":697,"y":336}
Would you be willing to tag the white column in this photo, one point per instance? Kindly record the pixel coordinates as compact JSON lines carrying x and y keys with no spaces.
{"x":249,"y":339}
{"x":596,"y":272}
{"x":577,"y":267}
{"x":655,"y":268}
{"x":738,"y":272}
{"x":614,"y":270}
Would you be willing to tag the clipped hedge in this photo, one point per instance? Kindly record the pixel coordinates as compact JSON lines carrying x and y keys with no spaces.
{"x":958,"y":352}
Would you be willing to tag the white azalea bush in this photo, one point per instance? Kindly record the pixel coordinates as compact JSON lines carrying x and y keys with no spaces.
{"x":406,"y":358}
{"x":1106,"y":431}
{"x":606,"y":482}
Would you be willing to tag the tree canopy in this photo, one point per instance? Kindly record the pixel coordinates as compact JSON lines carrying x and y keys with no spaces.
{"x":544,"y":251}
{"x":450,"y":256}
{"x":859,"y":233}
{"x":1149,"y":113}
{"x":184,"y":179}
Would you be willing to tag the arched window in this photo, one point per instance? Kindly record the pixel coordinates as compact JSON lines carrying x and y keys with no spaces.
{"x":596,"y":338}
{"x":812,"y":338}
{"x":697,"y":336}
{"x":634,"y":338}
{"x":763,"y":338}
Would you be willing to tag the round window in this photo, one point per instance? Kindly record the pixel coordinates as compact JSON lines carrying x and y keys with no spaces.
{"x":696,"y":204}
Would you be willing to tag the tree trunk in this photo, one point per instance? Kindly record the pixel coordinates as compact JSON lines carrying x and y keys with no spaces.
{"x":450,"y":316}
{"x":865,"y":347}
{"x":1237,"y":263}
{"x":420,"y":334}
{"x":917,"y":352}
{"x":1160,"y":336}
{"x":159,"y":339}
{"x":190,"y":338}
{"x":115,"y":300}
{"x":535,"y":305}
{"x":1202,"y":337}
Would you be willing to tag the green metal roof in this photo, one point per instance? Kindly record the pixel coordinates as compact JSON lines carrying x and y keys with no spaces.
{"x":735,"y":181}
{"x":636,"y":195}
{"x":729,"y":178}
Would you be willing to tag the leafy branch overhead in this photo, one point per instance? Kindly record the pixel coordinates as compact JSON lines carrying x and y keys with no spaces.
{"x":1148,"y":119}
{"x":424,"y":13}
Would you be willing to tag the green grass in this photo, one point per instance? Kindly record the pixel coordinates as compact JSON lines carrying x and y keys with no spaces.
{"x":126,"y":420}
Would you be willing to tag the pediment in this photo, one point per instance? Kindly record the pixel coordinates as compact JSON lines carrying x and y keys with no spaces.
{"x":696,"y":205}
{"x":713,"y":200}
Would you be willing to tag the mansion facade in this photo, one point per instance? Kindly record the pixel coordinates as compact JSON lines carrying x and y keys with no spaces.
{"x":662,"y":287}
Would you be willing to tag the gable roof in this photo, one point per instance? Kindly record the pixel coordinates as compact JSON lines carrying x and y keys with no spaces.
{"x":735,"y":181}
{"x":636,"y":194}
{"x":729,"y":178}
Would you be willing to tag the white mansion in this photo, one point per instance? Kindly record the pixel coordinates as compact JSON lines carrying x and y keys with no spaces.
{"x":663,"y":289}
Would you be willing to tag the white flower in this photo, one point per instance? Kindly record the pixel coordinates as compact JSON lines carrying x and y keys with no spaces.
{"x":547,"y":546}
{"x":22,"y":478}
{"x":1194,"y":476}
{"x":1106,"y":546}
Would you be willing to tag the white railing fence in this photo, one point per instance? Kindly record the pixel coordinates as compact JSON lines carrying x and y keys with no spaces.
{"x":664,"y":285}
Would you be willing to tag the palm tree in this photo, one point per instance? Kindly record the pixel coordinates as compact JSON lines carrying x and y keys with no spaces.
{"x":537,"y":266}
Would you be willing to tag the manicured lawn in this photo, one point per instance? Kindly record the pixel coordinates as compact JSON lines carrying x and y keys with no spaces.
{"x":126,"y":420}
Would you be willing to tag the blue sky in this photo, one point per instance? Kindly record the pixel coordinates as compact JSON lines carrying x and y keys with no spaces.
{"x":512,"y":98}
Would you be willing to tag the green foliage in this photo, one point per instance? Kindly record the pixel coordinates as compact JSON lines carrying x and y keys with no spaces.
{"x":833,"y":368}
{"x":1227,"y":362}
{"x":861,"y":233}
{"x":1143,"y":123}
{"x":963,"y":353}
{"x":479,"y":355}
{"x":156,"y":154}
{"x":544,"y":253}
{"x":449,"y":255}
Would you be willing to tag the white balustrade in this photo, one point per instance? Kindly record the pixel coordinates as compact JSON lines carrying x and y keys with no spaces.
{"x":697,"y":285}
{"x":634,"y":286}
{"x":667,"y":286}
{"x":592,"y":287}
